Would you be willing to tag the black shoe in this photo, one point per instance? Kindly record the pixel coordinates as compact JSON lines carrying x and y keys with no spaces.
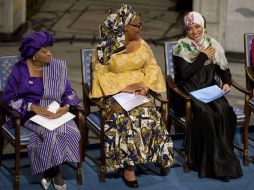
{"x":225,"y":179}
{"x":131,"y":184}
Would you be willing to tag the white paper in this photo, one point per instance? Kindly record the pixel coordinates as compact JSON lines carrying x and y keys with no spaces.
{"x":209,"y":94}
{"x":52,"y":124}
{"x":53,"y":107}
{"x":128,"y":101}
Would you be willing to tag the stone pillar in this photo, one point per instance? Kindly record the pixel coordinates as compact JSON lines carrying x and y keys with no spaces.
{"x":240,"y":20}
{"x":12,"y":16}
{"x":215,"y":13}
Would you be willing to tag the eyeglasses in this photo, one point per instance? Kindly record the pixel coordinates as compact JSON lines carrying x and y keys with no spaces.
{"x":136,"y":26}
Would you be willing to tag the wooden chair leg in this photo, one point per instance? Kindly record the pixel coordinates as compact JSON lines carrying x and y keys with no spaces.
{"x":103,"y":161}
{"x":85,"y":142}
{"x":102,"y":174}
{"x":186,"y":168}
{"x":79,"y":164}
{"x":79,"y":173}
{"x":1,"y":147}
{"x":245,"y":138}
{"x":17,"y":168}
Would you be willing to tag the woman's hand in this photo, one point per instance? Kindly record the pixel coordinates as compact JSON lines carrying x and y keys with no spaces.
{"x":137,"y":88}
{"x":225,"y":87}
{"x":42,"y":111}
{"x":210,"y":51}
{"x":142,"y":92}
{"x":133,"y":87}
{"x":50,"y":115}
{"x":61,"y":111}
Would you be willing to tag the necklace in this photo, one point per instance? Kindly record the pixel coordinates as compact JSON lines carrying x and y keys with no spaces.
{"x":37,"y":69}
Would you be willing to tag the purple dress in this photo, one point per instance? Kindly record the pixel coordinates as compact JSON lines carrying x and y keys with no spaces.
{"x":46,"y":148}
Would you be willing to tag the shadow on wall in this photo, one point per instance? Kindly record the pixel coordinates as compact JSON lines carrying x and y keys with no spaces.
{"x":32,"y":7}
{"x":183,"y":5}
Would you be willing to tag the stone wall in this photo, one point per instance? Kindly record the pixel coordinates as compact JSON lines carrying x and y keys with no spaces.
{"x":228,"y":20}
{"x":12,"y":15}
{"x":240,"y":20}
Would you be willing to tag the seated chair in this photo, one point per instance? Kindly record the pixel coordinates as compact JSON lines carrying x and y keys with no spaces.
{"x":249,"y":76}
{"x":19,"y":136}
{"x":183,"y":122}
{"x":95,"y":119}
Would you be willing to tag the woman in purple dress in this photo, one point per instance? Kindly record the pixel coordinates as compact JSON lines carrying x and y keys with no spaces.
{"x":34,"y":83}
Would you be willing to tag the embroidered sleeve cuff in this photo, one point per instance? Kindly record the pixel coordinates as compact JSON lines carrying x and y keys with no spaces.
{"x":29,"y":107}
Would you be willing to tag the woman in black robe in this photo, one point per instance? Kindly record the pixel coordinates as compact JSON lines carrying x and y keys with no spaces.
{"x":209,"y":138}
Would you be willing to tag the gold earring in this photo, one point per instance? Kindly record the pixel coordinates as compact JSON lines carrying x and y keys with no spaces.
{"x":33,"y":58}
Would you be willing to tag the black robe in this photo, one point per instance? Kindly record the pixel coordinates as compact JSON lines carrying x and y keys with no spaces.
{"x":209,"y":137}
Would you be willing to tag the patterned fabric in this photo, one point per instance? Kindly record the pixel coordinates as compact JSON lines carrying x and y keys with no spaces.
{"x":51,"y":148}
{"x":6,"y":64}
{"x":86,"y":56}
{"x":135,"y":137}
{"x":112,"y":33}
{"x":25,"y":133}
{"x":33,"y":42}
{"x":169,"y":58}
{"x":139,"y":66}
{"x":189,"y":50}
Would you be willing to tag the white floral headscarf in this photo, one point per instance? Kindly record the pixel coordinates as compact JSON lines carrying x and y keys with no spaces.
{"x":189,"y":50}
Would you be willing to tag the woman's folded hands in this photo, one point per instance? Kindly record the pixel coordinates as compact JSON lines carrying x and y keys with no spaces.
{"x":50,"y":115}
{"x":137,"y":88}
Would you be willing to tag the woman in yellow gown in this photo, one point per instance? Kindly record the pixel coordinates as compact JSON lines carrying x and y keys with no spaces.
{"x":123,"y":62}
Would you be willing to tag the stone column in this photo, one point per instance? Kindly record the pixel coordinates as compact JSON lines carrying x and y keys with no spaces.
{"x":240,"y":20}
{"x":215,"y":13}
{"x":12,"y":16}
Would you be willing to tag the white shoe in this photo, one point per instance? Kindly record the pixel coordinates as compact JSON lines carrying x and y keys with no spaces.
{"x":45,"y":184}
{"x":59,"y":187}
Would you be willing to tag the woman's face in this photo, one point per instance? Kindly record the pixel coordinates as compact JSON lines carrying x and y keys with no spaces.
{"x":133,"y":29}
{"x":195,"y":32}
{"x":43,"y":56}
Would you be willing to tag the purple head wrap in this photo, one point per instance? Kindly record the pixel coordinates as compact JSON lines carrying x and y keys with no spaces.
{"x":33,"y":42}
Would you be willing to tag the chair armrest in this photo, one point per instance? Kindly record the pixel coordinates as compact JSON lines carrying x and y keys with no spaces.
{"x":240,"y":88}
{"x":9,"y":110}
{"x":250,"y":73}
{"x":79,"y":112}
{"x":99,"y":104}
{"x":179,"y":92}
{"x":85,"y":90}
{"x":16,"y":117}
{"x":75,"y":110}
{"x":158,"y":97}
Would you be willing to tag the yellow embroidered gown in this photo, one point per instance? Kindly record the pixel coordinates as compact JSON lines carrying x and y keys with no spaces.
{"x":137,"y":136}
